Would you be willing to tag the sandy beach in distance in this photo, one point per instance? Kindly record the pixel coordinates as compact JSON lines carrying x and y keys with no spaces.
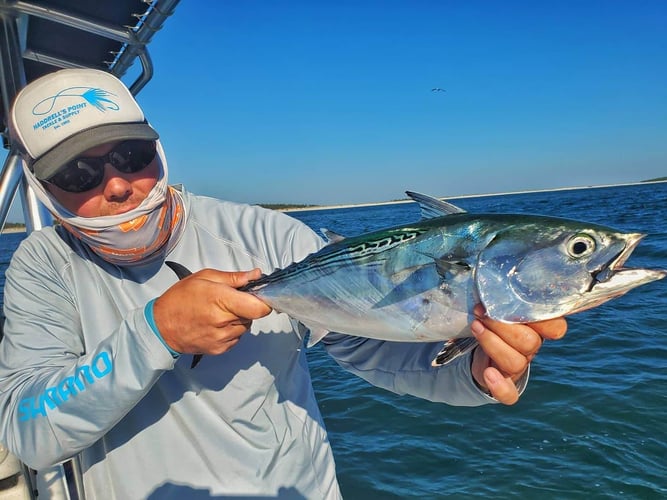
{"x":459,"y":197}
{"x":8,"y":230}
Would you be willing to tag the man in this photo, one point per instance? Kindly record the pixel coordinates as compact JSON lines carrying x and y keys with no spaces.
{"x":100,"y":334}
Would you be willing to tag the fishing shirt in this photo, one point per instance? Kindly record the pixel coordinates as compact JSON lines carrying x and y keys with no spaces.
{"x":82,"y":372}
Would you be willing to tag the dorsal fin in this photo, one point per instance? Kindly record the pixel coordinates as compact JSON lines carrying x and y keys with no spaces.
{"x":432,"y":207}
{"x":331,"y":236}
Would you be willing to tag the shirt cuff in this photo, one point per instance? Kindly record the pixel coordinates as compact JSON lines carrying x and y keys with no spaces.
{"x":520,"y":384}
{"x":150,"y":319}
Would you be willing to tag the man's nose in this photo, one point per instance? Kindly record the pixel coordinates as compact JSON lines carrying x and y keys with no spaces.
{"x":116,"y":186}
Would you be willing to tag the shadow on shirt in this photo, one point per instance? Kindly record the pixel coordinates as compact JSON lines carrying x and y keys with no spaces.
{"x":177,"y":491}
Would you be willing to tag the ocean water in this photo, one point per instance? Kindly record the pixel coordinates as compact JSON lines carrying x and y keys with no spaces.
{"x":592,"y":422}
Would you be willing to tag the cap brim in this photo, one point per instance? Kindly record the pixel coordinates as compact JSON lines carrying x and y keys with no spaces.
{"x":47,"y":165}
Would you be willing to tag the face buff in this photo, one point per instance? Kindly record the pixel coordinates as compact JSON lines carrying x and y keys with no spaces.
{"x":144,"y":233}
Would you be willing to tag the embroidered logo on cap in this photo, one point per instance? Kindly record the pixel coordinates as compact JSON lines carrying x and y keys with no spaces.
{"x":83,"y":97}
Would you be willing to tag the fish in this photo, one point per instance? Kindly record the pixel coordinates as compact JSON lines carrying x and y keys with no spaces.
{"x":419,"y":282}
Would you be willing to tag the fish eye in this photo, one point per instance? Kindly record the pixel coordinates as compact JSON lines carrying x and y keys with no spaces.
{"x":581,"y":245}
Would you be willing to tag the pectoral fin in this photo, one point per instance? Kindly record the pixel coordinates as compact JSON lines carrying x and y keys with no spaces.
{"x":453,"y":349}
{"x":449,"y":270}
{"x":409,"y":283}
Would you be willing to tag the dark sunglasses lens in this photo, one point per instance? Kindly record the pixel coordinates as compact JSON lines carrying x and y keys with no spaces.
{"x":83,"y":174}
{"x":79,"y":175}
{"x":132,"y":156}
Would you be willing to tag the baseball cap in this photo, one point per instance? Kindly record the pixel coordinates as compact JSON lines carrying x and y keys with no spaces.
{"x":60,"y":115}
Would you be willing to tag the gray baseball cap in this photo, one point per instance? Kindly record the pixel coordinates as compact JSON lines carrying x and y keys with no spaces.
{"x":60,"y":115}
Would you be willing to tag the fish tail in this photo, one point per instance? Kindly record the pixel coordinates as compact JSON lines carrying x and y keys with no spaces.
{"x":183,"y":272}
{"x":180,"y":270}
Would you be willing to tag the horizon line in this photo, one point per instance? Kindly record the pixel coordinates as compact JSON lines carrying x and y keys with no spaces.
{"x":464,"y":196}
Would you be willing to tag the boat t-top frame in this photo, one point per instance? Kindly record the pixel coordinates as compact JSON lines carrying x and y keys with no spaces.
{"x":41,"y":36}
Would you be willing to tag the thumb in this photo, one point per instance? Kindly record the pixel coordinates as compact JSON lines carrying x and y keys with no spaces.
{"x":238,"y":279}
{"x":234,"y":279}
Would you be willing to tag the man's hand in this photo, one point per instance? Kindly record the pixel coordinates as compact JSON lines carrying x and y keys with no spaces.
{"x":204,"y":313}
{"x":506,"y":350}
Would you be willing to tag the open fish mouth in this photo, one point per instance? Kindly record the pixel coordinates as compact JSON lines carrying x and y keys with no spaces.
{"x":616,"y":265}
{"x":614,"y":280}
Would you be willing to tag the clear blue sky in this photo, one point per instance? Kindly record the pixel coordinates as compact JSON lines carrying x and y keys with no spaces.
{"x":331,"y":102}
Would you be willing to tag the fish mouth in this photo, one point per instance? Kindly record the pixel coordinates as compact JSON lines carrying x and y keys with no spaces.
{"x":614,"y":280}
{"x":614,"y":266}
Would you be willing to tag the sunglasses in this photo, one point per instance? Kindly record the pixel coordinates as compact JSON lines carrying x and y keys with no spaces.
{"x":83,"y":174}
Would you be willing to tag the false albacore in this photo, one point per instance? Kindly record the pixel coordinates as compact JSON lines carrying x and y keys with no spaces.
{"x":420,"y":282}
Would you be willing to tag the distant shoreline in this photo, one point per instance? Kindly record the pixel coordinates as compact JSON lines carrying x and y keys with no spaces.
{"x":16,"y":229}
{"x":464,"y":196}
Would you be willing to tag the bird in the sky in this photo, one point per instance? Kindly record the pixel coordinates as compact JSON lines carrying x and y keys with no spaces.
{"x":438,"y":89}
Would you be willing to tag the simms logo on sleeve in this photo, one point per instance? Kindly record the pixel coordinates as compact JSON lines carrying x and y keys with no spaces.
{"x":53,"y":397}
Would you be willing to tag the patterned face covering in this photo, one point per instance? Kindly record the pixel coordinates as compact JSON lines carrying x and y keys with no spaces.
{"x":138,"y":236}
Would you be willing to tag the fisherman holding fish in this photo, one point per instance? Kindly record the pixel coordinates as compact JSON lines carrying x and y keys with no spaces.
{"x":100,"y":334}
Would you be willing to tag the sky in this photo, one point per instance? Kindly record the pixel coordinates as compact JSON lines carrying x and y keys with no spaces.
{"x":323,"y":103}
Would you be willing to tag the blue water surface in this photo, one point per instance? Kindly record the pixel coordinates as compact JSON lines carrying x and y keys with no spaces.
{"x":592,"y":422}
